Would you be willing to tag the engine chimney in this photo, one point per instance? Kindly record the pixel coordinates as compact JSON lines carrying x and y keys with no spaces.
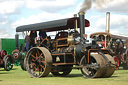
{"x":82,"y":24}
{"x":17,"y":41}
{"x":75,"y":16}
{"x":107,"y":21}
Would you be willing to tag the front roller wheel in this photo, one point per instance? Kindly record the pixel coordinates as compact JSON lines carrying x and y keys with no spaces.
{"x":38,"y":62}
{"x":92,"y":70}
{"x":110,"y":70}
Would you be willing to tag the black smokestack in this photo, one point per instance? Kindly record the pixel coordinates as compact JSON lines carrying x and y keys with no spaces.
{"x":17,"y":41}
{"x":82,"y":24}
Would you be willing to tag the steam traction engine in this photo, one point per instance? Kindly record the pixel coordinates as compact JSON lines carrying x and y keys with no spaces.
{"x":6,"y":61}
{"x":19,"y":54}
{"x":116,"y":44}
{"x":69,"y":49}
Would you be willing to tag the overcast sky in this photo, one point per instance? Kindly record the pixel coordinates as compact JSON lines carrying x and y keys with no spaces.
{"x":14,"y":13}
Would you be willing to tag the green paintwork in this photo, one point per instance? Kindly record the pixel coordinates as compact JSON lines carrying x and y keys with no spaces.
{"x":9,"y":44}
{"x":23,"y":55}
{"x":9,"y":65}
{"x":17,"y":63}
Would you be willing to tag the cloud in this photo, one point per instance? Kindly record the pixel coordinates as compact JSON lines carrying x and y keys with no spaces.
{"x":4,"y":33}
{"x":50,"y":5}
{"x":41,"y":17}
{"x":55,"y":9}
{"x":118,"y":23}
{"x":119,"y":6}
{"x":9,"y":7}
{"x":3,"y":19}
{"x":14,"y":6}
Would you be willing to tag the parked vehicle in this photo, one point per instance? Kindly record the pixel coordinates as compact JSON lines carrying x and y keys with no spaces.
{"x":116,"y":44}
{"x":69,"y":49}
{"x":6,"y":61}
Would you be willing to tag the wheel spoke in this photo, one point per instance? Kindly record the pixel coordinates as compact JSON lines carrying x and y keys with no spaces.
{"x":33,"y":56}
{"x":32,"y":64}
{"x":38,"y":70}
{"x":41,"y":55}
{"x":35,"y":70}
{"x":33,"y":60}
{"x":34,"y":67}
{"x":36,"y":56}
{"x":38,"y":52}
{"x":43,"y":61}
{"x":42,"y":67}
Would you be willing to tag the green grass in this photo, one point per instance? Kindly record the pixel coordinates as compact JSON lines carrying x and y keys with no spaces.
{"x":19,"y":77}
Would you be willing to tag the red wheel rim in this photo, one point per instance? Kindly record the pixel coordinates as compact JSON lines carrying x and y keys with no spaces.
{"x":3,"y":53}
{"x":16,"y":54}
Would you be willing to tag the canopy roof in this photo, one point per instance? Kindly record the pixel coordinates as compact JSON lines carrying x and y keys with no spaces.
{"x":111,"y":35}
{"x":55,"y":25}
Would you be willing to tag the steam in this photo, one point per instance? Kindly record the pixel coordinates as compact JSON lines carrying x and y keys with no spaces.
{"x":87,"y":4}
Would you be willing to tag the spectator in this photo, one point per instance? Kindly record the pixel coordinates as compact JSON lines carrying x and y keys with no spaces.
{"x":27,"y":41}
{"x":30,"y":40}
{"x":43,"y":35}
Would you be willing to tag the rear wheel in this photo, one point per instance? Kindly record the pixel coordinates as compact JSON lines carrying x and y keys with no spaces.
{"x":3,"y":53}
{"x":8,"y":64}
{"x":15,"y":54}
{"x":125,"y":64}
{"x":23,"y":64}
{"x":38,"y":62}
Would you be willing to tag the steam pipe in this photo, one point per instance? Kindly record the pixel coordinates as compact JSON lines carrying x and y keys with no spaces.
{"x":17,"y":41}
{"x":82,"y":25}
{"x":107,"y":21}
{"x":75,"y":15}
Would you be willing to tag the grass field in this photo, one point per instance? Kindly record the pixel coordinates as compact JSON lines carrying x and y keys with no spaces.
{"x":19,"y":77}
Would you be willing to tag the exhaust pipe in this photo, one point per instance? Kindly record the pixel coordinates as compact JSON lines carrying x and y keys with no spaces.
{"x":82,"y":24}
{"x":75,"y":16}
{"x":107,"y":21}
{"x":17,"y":41}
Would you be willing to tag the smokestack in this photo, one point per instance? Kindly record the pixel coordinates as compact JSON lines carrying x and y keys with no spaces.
{"x":75,"y":16}
{"x":107,"y":21}
{"x":17,"y":41}
{"x":82,"y":24}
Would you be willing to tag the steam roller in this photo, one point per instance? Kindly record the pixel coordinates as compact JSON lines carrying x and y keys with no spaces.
{"x":69,"y":49}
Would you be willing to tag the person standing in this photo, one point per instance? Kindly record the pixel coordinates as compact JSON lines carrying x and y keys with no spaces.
{"x":30,"y":40}
{"x":33,"y":38}
{"x":27,"y":41}
{"x":43,"y":35}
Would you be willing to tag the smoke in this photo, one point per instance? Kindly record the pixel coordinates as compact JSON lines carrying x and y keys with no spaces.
{"x":87,"y":4}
